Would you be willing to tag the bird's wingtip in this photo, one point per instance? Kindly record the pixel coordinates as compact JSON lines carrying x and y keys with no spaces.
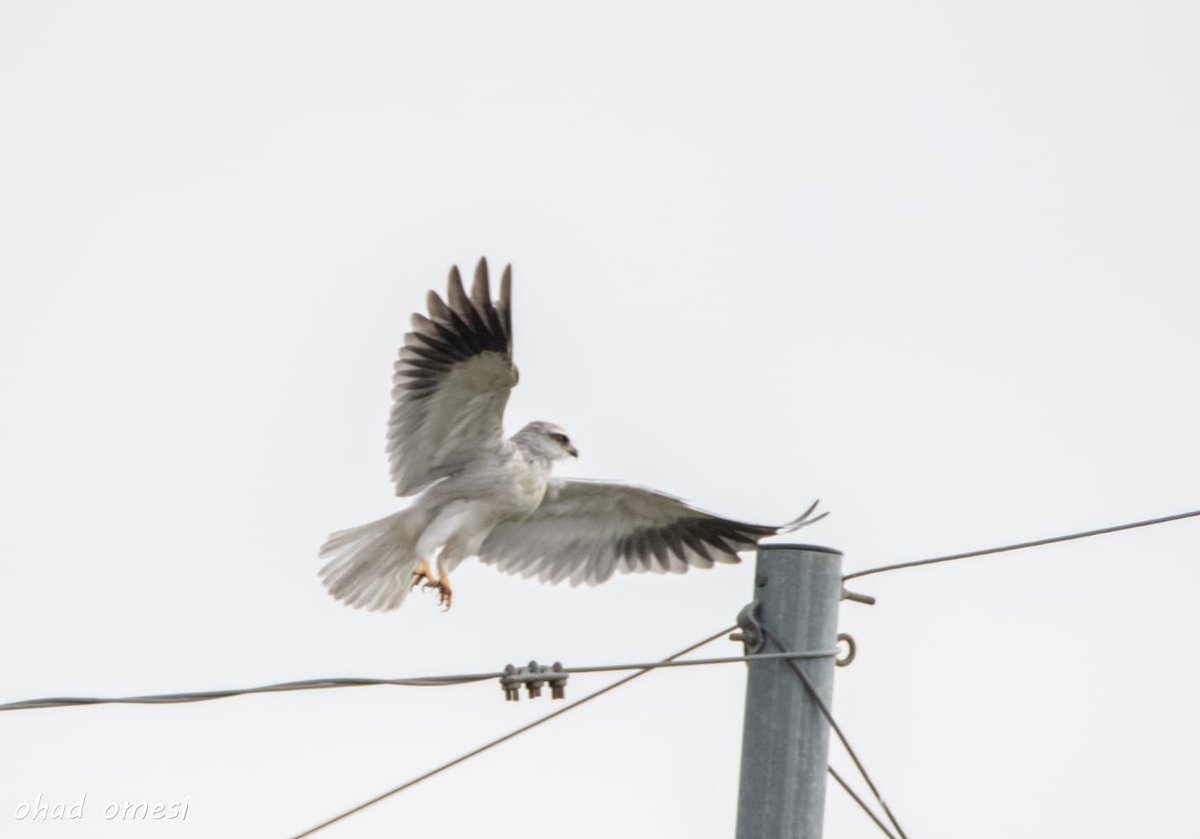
{"x":804,"y":519}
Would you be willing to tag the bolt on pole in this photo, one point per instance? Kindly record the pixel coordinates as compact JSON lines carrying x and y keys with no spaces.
{"x":785,"y":742}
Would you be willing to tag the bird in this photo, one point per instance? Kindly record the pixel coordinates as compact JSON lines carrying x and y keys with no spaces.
{"x":478,"y":494}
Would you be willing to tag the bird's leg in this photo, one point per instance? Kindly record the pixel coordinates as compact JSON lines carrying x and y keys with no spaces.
{"x":443,"y":587}
{"x":423,"y":577}
{"x":442,"y":584}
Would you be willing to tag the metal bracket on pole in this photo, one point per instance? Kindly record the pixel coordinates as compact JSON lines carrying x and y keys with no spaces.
{"x":858,"y":598}
{"x":851,"y":649}
{"x":749,"y":629}
{"x":534,"y":677}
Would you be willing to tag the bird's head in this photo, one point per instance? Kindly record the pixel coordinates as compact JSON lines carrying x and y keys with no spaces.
{"x":547,"y":440}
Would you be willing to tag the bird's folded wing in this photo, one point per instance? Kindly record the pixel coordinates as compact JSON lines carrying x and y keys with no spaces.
{"x":584,"y":531}
{"x":451,"y":383}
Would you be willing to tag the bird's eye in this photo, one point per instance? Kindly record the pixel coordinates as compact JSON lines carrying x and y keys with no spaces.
{"x":561,"y":439}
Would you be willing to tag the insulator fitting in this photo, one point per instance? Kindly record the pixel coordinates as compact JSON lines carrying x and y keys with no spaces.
{"x":511,"y":687}
{"x":533,"y":685}
{"x":558,"y":684}
{"x":534,"y":677}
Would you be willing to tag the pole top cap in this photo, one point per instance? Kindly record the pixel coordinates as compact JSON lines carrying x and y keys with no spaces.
{"x":783,"y":546}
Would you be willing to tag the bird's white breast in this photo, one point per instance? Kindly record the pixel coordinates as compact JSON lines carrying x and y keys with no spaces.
{"x":529,"y":479}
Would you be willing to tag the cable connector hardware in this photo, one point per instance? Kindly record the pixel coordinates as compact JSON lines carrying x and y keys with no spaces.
{"x":534,"y":677}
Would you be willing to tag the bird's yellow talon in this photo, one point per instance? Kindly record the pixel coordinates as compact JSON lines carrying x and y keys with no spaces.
{"x":445,"y":593}
{"x":422,"y":577}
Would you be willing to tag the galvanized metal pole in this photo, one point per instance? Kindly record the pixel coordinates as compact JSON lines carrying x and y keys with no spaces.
{"x":785,"y":744}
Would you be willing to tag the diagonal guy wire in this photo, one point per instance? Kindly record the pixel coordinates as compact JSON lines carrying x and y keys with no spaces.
{"x":861,"y":803}
{"x":509,"y":736}
{"x":812,"y":691}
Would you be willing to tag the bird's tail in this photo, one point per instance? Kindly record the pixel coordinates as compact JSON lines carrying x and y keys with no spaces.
{"x":371,"y":566}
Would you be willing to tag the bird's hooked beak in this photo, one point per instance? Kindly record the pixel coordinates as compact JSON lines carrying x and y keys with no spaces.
{"x":572,"y":451}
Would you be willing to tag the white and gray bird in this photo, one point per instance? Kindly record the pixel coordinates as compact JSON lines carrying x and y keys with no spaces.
{"x":481,"y":495}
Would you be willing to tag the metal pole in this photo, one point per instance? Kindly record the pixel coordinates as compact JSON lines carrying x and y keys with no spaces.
{"x":785,"y":744}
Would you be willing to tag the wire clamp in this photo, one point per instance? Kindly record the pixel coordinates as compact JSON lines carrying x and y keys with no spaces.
{"x":749,"y":629}
{"x":534,"y":677}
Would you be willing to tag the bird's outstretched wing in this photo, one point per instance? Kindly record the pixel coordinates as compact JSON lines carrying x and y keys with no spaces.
{"x":584,"y":531}
{"x":451,"y":382}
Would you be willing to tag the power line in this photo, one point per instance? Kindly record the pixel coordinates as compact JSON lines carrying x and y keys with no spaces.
{"x":201,"y":696}
{"x":1022,"y":545}
{"x":510,"y":735}
{"x":816,"y":697}
{"x":422,"y":681}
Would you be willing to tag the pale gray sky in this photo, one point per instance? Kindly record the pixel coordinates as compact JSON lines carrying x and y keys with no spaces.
{"x":935,"y":264}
